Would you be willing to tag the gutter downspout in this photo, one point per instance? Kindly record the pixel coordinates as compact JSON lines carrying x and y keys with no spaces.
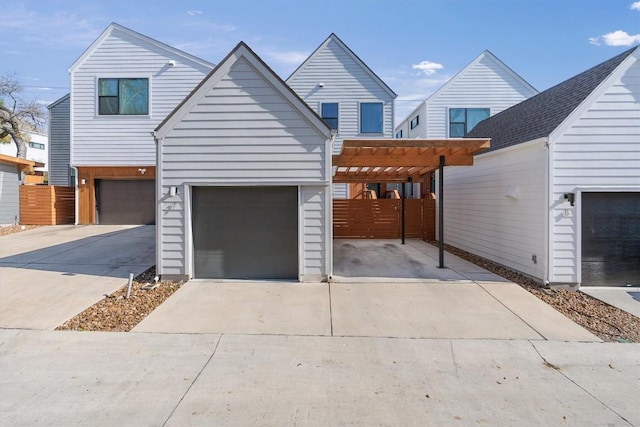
{"x":77,"y":192}
{"x":547,"y":216}
{"x":158,"y":205}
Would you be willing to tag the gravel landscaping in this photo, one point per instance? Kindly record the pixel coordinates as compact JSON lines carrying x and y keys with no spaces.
{"x":10,"y":229}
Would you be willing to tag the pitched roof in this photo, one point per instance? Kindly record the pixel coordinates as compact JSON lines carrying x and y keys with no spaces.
{"x":540,"y":115}
{"x":113,"y":26}
{"x":241,"y":51}
{"x":365,"y":67}
{"x":58,"y":101}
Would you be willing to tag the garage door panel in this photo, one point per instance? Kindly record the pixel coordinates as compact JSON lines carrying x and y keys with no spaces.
{"x":245,"y":232}
{"x":125,"y":202}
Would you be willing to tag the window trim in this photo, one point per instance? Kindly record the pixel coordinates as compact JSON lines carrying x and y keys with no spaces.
{"x":415,"y":122}
{"x":465,"y":123}
{"x":360,"y":104}
{"x":337,"y":118}
{"x":40,"y":145}
{"x":123,"y":116}
{"x":399,"y":134}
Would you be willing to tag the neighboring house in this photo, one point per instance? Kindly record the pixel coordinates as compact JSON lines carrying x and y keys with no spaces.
{"x":557,"y":196}
{"x":482,"y":89}
{"x":244,"y":180}
{"x":37,"y":149}
{"x":11,"y":171}
{"x":60,"y":172}
{"x":122,"y":87}
{"x":346,"y":93}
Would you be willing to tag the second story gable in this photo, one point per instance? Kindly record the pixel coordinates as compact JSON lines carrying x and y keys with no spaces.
{"x":122,"y":87}
{"x":482,"y":89}
{"x":345,"y":92}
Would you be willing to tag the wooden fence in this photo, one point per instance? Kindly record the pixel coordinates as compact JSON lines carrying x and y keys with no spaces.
{"x":47,"y":205}
{"x":382,"y":218}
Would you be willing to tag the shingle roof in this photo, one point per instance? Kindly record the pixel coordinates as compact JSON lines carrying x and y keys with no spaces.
{"x":541,"y":114}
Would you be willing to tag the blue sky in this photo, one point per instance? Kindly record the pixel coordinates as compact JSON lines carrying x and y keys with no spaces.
{"x":414,"y":46}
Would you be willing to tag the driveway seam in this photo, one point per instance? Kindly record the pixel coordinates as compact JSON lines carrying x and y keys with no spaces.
{"x":193,"y":382}
{"x":559,"y":370}
{"x":330,"y":311}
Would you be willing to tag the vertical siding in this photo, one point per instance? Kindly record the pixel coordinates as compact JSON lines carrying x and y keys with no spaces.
{"x":9,"y":182}
{"x":479,"y":218}
{"x":483,"y":85}
{"x":314,"y":231}
{"x":242,"y":132}
{"x":59,"y":143}
{"x":126,"y":140}
{"x":347,"y":83}
{"x":601,"y":148}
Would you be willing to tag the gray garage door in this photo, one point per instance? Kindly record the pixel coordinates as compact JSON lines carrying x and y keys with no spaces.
{"x":611,"y":239}
{"x":125,"y":201}
{"x":245,"y":232}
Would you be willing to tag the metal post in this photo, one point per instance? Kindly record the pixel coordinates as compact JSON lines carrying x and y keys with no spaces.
{"x":441,"y":212}
{"x":402,"y":213}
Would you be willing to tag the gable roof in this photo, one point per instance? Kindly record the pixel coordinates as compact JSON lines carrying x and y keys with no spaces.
{"x":58,"y":101}
{"x":343,"y":46}
{"x":241,"y":51}
{"x":117,"y":27}
{"x":540,"y":115}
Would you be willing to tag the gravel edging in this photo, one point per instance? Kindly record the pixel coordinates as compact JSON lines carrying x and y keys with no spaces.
{"x":11,"y":229}
{"x":609,"y":323}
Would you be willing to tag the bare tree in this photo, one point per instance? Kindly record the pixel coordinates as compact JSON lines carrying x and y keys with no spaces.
{"x":17,"y":115}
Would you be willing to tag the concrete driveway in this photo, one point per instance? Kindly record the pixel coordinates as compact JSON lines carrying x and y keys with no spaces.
{"x":50,"y":274}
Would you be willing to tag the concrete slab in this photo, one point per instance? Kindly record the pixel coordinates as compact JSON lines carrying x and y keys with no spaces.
{"x":547,"y":321}
{"x":99,"y":379}
{"x":50,"y":274}
{"x":610,"y":373}
{"x":203,"y":306}
{"x":627,"y":299}
{"x":423,"y":310}
{"x":276,"y":380}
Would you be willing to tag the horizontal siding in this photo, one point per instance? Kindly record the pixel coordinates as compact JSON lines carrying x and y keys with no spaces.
{"x":481,"y":219}
{"x":314,"y":230}
{"x":9,"y":182}
{"x":126,"y":140}
{"x":59,"y":143}
{"x":601,"y":148}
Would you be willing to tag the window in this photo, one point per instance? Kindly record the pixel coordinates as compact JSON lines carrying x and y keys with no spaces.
{"x":329,"y":113}
{"x":123,"y":97}
{"x":462,"y":120}
{"x":399,"y":134}
{"x":36,"y":145}
{"x":371,"y":117}
{"x":415,"y":121}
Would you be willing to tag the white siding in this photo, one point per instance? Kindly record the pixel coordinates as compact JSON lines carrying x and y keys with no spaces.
{"x":243,"y":132}
{"x":59,"y":143}
{"x":346,"y":82}
{"x":481,"y":219}
{"x":126,"y":140}
{"x":34,"y":154}
{"x":600,"y":149}
{"x":9,"y":182}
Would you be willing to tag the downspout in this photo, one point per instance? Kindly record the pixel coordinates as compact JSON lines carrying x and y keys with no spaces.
{"x":547,"y":216}
{"x":158,"y":203}
{"x":77,"y":192}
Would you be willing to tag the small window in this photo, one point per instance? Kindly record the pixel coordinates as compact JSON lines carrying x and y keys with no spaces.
{"x":36,"y":145}
{"x":415,"y":121}
{"x":399,"y":134}
{"x":123,"y":97}
{"x":329,"y":113}
{"x":462,"y":120}
{"x":371,"y":117}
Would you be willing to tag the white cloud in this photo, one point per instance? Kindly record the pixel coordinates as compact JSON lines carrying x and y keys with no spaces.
{"x":194,"y":12}
{"x":427,"y":67}
{"x":616,"y":38}
{"x":635,"y":5}
{"x":288,"y":57}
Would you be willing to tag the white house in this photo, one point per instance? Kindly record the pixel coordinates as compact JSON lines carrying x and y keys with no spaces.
{"x":557,"y":196}
{"x":346,"y":93}
{"x":37,"y":149}
{"x":244,"y":180}
{"x":122,"y":87}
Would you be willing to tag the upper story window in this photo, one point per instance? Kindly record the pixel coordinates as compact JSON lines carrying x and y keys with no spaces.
{"x":329,"y":113}
{"x":399,"y":134}
{"x":371,"y":117}
{"x":462,"y":120}
{"x":415,"y":121}
{"x":123,"y":96}
{"x":37,"y":145}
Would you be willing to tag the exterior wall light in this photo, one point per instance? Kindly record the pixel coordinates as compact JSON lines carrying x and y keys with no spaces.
{"x":173,"y":191}
{"x":571,"y":197}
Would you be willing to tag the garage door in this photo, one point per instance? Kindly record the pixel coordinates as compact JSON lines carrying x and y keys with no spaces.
{"x":611,"y":239}
{"x":245,"y":233}
{"x":125,"y":201}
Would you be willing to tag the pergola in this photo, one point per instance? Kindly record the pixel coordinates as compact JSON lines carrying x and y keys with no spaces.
{"x":404,"y":160}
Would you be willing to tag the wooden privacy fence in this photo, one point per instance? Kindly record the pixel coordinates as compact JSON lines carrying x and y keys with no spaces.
{"x":47,"y":205}
{"x":382,"y":219}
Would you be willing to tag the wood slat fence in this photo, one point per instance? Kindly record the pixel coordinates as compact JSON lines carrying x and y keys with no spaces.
{"x":47,"y":205}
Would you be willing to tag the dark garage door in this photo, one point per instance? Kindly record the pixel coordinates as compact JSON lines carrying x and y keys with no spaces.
{"x":611,"y":239}
{"x":245,"y":232}
{"x":125,"y":201}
